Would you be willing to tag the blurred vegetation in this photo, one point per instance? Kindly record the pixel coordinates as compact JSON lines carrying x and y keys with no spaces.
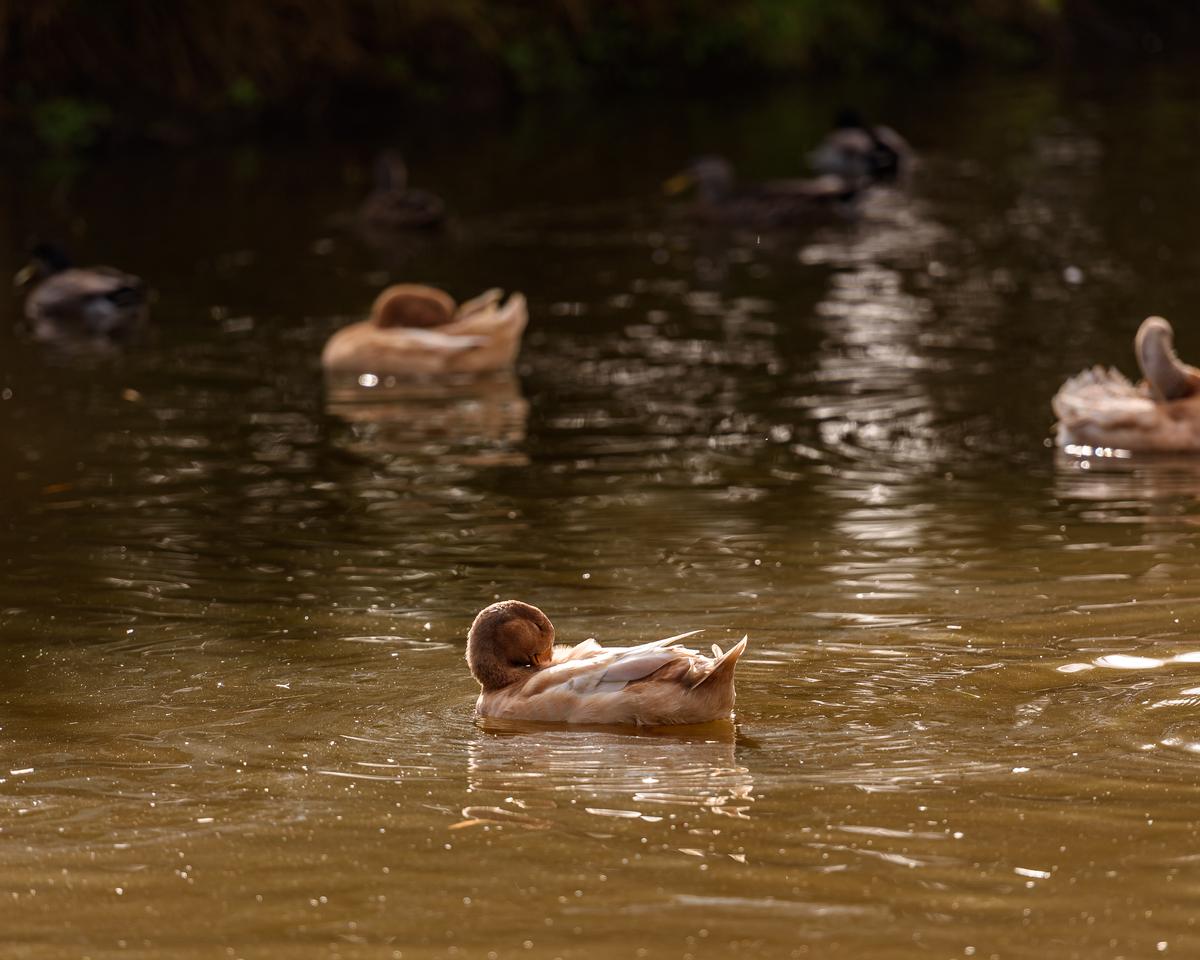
{"x":76,"y":71}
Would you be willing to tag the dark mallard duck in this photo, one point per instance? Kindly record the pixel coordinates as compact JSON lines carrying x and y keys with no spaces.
{"x":780,"y":203}
{"x":394,"y":205}
{"x":68,"y":302}
{"x":862,"y":153}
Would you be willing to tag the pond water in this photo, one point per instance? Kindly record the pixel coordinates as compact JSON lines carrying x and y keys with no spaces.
{"x":235,"y":720}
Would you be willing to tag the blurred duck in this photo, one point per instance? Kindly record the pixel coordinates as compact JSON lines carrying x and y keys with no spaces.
{"x":524,"y":676}
{"x":65,"y":302}
{"x":1102,"y":408}
{"x":862,"y":153}
{"x":720,"y":198}
{"x":394,"y":205}
{"x":415,"y":330}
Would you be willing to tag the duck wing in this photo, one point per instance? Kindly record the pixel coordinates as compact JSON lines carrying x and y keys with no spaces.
{"x":827,"y":186}
{"x":617,"y":666}
{"x":96,"y":301}
{"x":400,"y":209}
{"x":1104,"y":397}
{"x":783,"y":203}
{"x":591,"y":668}
{"x":588,"y":648}
{"x":123,"y":289}
{"x":486,"y":316}
{"x":75,"y":286}
{"x":843,"y":152}
{"x":487,"y":300}
{"x":437,"y":341}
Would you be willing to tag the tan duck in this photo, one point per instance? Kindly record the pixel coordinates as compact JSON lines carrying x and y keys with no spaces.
{"x":65,"y":302}
{"x":393,"y":205}
{"x":419,"y":330}
{"x":524,"y":676}
{"x":1100,"y":407}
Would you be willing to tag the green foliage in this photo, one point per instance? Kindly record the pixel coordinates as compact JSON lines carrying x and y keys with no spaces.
{"x":397,"y":68}
{"x":66,"y":124}
{"x":543,"y":61}
{"x":244,"y":93}
{"x":233,"y":60}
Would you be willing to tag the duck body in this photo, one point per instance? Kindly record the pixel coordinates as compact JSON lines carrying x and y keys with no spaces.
{"x":1101,"y":407}
{"x":861,"y":152}
{"x":418,"y":330}
{"x":393,"y":205}
{"x":66,"y":302}
{"x":524,"y":676}
{"x":774,"y":203}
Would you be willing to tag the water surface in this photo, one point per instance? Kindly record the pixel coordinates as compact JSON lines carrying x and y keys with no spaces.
{"x":235,"y":718}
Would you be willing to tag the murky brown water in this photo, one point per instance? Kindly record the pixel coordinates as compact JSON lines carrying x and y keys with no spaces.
{"x":235,"y":716}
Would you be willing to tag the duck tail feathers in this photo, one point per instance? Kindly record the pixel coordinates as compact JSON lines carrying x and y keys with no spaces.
{"x":666,"y":641}
{"x":722,"y":671}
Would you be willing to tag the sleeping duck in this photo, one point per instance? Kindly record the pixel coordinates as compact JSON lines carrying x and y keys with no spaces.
{"x":417,"y":330}
{"x":524,"y":676}
{"x":65,"y":302}
{"x":719,"y":198}
{"x":861,"y":152}
{"x":394,"y":205}
{"x":1100,"y":407}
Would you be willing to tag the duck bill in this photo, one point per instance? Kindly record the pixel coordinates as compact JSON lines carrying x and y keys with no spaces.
{"x":679,"y":183}
{"x":25,"y":275}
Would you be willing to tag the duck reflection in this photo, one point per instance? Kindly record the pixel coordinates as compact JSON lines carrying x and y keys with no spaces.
{"x":1154,"y":494}
{"x":1112,"y":474}
{"x":484,"y":416}
{"x":540,"y":775}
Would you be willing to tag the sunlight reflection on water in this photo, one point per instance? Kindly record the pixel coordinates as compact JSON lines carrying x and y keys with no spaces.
{"x":235,"y":596}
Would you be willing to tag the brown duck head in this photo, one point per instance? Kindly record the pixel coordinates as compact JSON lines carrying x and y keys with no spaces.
{"x":507,"y":642}
{"x":413,"y":305}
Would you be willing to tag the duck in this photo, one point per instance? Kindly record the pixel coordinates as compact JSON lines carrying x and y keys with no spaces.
{"x":523,"y":675}
{"x":1101,"y":407}
{"x":415,"y":329}
{"x":66,"y":302}
{"x":778,"y":203}
{"x":393,"y":205}
{"x":860,"y":152}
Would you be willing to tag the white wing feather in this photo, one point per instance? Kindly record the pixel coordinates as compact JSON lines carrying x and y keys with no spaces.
{"x":436,"y":340}
{"x":587,"y":648}
{"x":621,"y":665}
